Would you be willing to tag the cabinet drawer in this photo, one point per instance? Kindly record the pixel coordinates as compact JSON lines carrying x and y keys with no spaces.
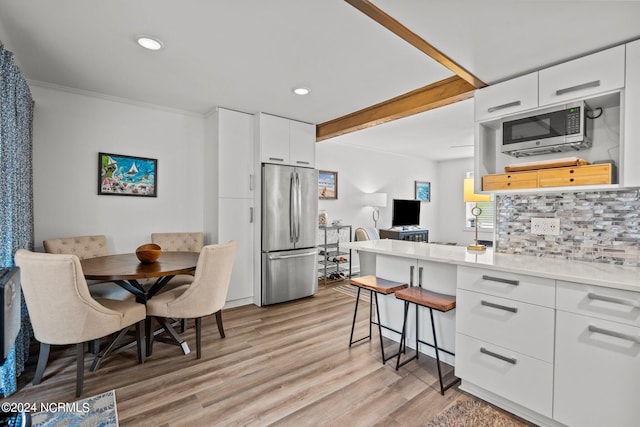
{"x":531,"y":289}
{"x":506,"y":98}
{"x":580,"y":175}
{"x":596,"y":374}
{"x":507,"y":181}
{"x":582,"y":77}
{"x":603,"y":303}
{"x":521,"y":379}
{"x":516,"y":325}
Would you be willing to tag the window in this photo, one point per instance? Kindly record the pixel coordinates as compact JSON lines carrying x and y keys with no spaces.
{"x":485,"y":219}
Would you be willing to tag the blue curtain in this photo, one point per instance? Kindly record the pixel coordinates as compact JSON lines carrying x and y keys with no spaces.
{"x":16,"y":194}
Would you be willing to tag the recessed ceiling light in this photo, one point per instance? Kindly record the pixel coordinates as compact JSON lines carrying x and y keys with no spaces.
{"x":301,"y":91}
{"x":150,"y":43}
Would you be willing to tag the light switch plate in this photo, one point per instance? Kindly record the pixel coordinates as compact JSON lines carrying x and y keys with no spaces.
{"x":545,"y":226}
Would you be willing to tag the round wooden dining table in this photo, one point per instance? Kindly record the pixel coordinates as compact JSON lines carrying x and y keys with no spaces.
{"x":126,"y":270}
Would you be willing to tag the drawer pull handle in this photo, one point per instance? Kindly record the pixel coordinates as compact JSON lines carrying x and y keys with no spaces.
{"x":614,"y":334}
{"x":613,"y":300}
{"x":498,"y":306}
{"x":501,"y":280}
{"x":276,"y":159}
{"x":498,"y":356}
{"x":503,"y":106}
{"x":300,"y":162}
{"x":588,"y":85}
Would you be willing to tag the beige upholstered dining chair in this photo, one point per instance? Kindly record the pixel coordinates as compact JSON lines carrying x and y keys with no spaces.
{"x":179,"y":242}
{"x":63,"y":312}
{"x":206,"y":295}
{"x":85,"y":247}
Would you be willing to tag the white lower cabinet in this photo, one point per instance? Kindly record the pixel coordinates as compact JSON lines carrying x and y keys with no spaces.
{"x":517,"y":377}
{"x":597,"y":372}
{"x":237,"y":216}
{"x":597,"y":362}
{"x":505,"y":335}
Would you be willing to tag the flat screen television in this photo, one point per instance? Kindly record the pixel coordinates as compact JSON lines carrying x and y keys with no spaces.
{"x":405,"y":212}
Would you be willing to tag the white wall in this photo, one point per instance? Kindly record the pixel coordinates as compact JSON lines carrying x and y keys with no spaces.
{"x":451,"y":207}
{"x":69,"y":131}
{"x":363,"y":171}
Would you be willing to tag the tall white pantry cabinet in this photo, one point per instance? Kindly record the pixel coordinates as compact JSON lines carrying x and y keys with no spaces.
{"x":229,"y":194}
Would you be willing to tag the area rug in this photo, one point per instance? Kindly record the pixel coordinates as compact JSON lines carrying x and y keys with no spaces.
{"x":352,"y":291}
{"x":96,"y":411}
{"x":474,"y":413}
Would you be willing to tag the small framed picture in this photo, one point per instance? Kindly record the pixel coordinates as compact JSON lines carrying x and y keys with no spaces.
{"x":423,"y":191}
{"x":121,"y":175}
{"x":327,"y":185}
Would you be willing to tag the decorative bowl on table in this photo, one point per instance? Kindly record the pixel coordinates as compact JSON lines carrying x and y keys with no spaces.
{"x":148,"y":253}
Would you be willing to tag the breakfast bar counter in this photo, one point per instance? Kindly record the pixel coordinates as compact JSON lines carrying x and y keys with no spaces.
{"x":593,"y":273}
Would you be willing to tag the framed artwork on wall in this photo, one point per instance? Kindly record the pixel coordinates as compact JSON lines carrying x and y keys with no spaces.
{"x":121,"y":175}
{"x":423,"y":191}
{"x":327,"y":185}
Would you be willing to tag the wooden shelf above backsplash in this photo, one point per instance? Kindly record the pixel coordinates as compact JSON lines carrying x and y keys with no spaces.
{"x":545,"y":178}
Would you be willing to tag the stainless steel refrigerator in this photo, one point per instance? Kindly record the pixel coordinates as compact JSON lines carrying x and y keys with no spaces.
{"x":289,"y":228}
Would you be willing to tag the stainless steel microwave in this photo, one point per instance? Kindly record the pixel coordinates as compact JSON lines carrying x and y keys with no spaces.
{"x":552,"y":130}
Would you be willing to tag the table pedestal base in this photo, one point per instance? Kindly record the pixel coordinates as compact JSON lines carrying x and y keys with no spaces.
{"x":173,"y":337}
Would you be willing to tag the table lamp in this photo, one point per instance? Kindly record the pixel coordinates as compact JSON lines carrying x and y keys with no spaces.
{"x":470,"y":196}
{"x":376,"y":200}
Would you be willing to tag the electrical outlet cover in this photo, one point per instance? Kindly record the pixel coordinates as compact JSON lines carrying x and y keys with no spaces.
{"x":545,"y":226}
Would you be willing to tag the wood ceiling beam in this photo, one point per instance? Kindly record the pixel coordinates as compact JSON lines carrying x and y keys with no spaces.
{"x":438,"y":94}
{"x":382,"y":18}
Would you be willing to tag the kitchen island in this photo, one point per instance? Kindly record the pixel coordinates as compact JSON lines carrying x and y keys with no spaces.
{"x":554,"y":341}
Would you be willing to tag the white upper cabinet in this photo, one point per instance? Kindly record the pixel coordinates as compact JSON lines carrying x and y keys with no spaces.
{"x":274,"y":139}
{"x":506,"y":98}
{"x":235,"y":154}
{"x":285,"y":141}
{"x":583,"y":77}
{"x":630,"y":172}
{"x":302,"y":144}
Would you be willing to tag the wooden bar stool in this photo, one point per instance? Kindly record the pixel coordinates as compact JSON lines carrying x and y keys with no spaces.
{"x":433,"y":301}
{"x":375,"y":285}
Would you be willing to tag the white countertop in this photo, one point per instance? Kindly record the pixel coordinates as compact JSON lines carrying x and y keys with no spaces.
{"x":599,"y":274}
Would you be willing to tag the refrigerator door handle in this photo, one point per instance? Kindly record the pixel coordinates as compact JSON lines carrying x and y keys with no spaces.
{"x":298,"y":206}
{"x":293,"y":256}
{"x":292,"y":210}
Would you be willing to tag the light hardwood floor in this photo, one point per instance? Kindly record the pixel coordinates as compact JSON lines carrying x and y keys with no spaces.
{"x":287,"y":364}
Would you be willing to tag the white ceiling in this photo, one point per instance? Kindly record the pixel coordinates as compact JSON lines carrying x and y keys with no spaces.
{"x":249,"y":54}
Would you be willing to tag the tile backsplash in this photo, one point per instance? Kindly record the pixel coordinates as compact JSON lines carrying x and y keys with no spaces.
{"x":596,"y":226}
